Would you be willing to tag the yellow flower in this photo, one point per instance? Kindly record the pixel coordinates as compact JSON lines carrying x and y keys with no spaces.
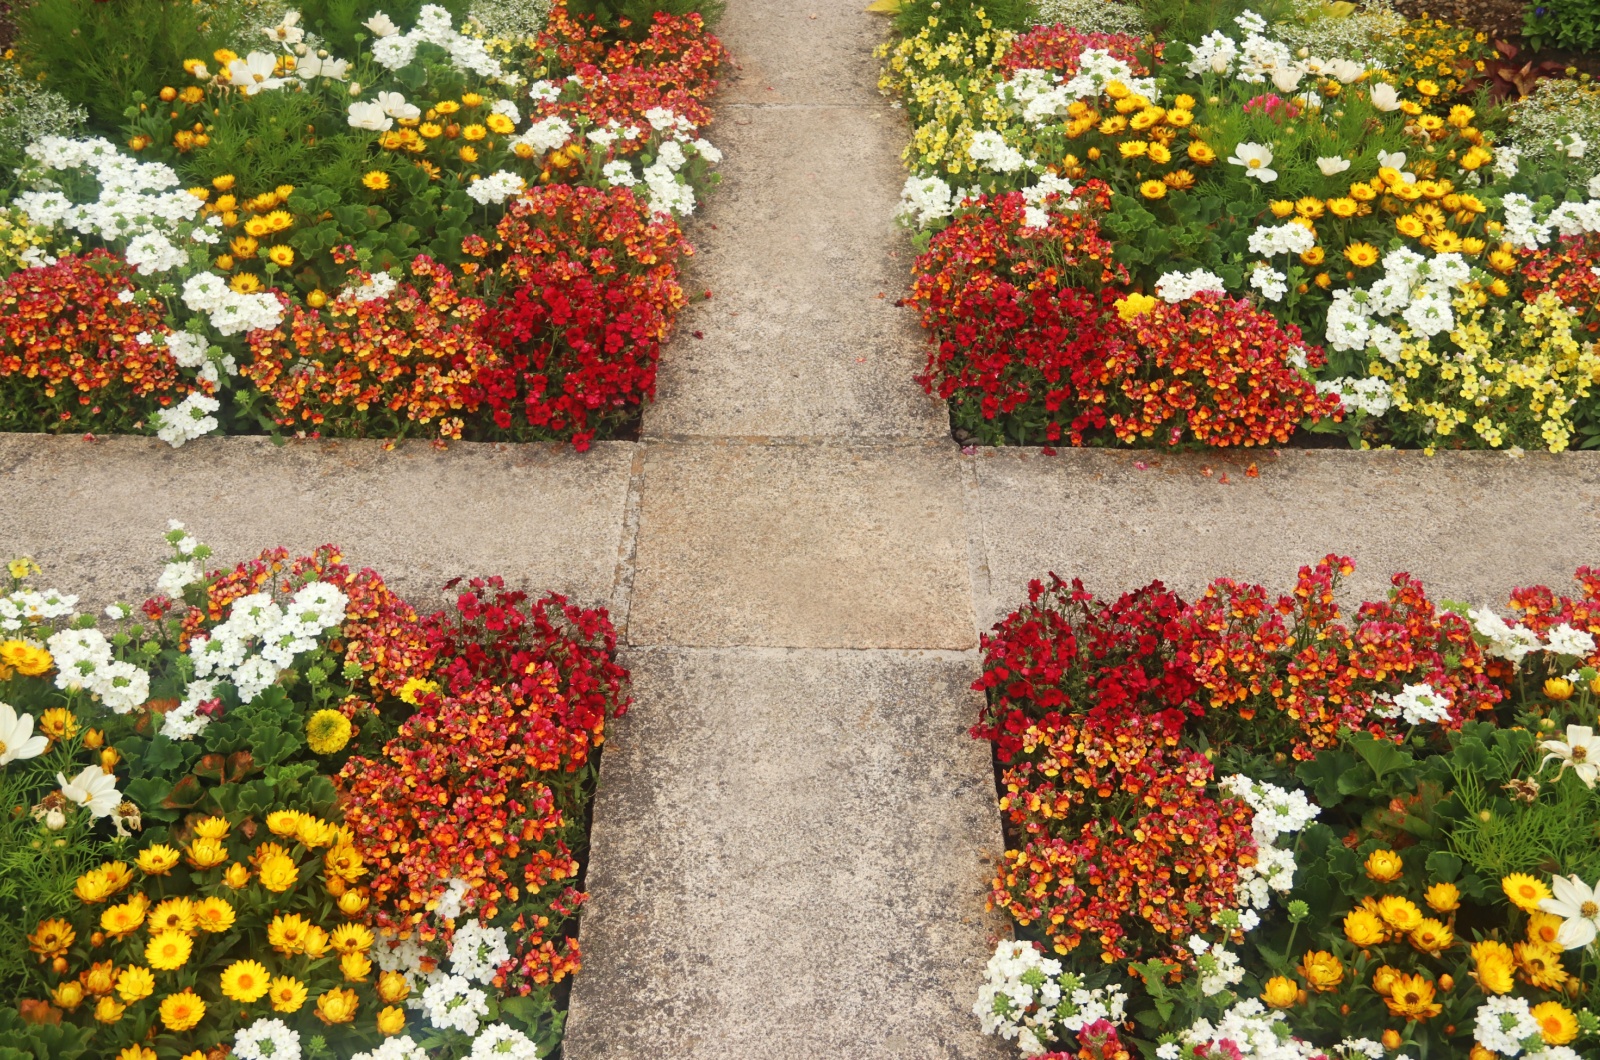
{"x":157,"y":860}
{"x":1432,"y":936}
{"x":244,"y":982}
{"x":135,"y":983}
{"x":181,"y":1011}
{"x":1134,"y":305}
{"x":376,"y":180}
{"x":314,"y":832}
{"x":68,"y":995}
{"x":316,"y":942}
{"x":236,"y":876}
{"x":213,"y":915}
{"x":317,"y":298}
{"x":352,"y":938}
{"x":1200,"y":153}
{"x":467,"y":154}
{"x":391,"y":1020}
{"x":167,"y":950}
{"x":222,"y":183}
{"x":337,"y":1006}
{"x":1541,"y":965}
{"x":31,"y":660}
{"x":173,"y":914}
{"x":474,"y":132}
{"x":1153,"y":189}
{"x":355,"y":967}
{"x":327,"y":731}
{"x":58,"y":723}
{"x":1501,"y":261}
{"x":1411,"y":996}
{"x":255,"y":228}
{"x":1409,"y":225}
{"x":1343,"y":207}
{"x":51,"y":938}
{"x":93,"y":886}
{"x":278,"y":873}
{"x":283,"y":822}
{"x":287,"y":994}
{"x":1364,"y":928}
{"x":392,"y":987}
{"x":1321,"y":970}
{"x":278,"y":220}
{"x":1494,"y":963}
{"x":281,"y":255}
{"x":499,"y":124}
{"x":120,"y":921}
{"x":1280,"y":992}
{"x":1524,"y":891}
{"x":107,"y":1010}
{"x":1443,"y":898}
{"x":416,"y":687}
{"x":1361,"y":255}
{"x":1542,"y":927}
{"x":245,"y":283}
{"x":99,"y":978}
{"x":1401,"y":914}
{"x":287,"y":933}
{"x":136,"y":1052}
{"x":447,"y":106}
{"x":352,"y":903}
{"x":1313,"y":255}
{"x":1557,"y":688}
{"x":1557,"y":1024}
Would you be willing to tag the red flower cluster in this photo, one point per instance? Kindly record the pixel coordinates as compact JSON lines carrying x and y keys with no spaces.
{"x":484,"y":783}
{"x":1030,"y":346}
{"x":673,"y":67}
{"x":1541,"y":609}
{"x":1567,"y":269}
{"x":1058,"y":48}
{"x":71,"y":356}
{"x":1094,"y":707}
{"x":592,"y":290}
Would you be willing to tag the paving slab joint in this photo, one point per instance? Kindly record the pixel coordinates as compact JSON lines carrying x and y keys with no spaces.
{"x":977,"y":547}
{"x":627,"y":547}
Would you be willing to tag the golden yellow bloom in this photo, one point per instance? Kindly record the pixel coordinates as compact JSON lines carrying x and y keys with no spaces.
{"x":236,"y":876}
{"x":1541,"y":965}
{"x":157,"y":859}
{"x":1153,"y":189}
{"x":1361,"y":255}
{"x":1134,"y":305}
{"x":1200,"y":153}
{"x":30,"y":660}
{"x":1159,"y":154}
{"x":257,"y":227}
{"x":1473,"y":245}
{"x":1494,"y":963}
{"x":108,"y":1010}
{"x":1343,"y":206}
{"x":314,"y":831}
{"x":1313,"y":255}
{"x":286,"y":993}
{"x":1280,"y":992}
{"x":287,"y":933}
{"x":281,"y":255}
{"x":51,"y":938}
{"x":392,"y":987}
{"x":243,"y":246}
{"x":1321,"y":970}
{"x":135,"y":983}
{"x":1282,"y":208}
{"x":327,"y":732}
{"x":337,"y":1006}
{"x":173,"y":914}
{"x":316,"y":942}
{"x":120,"y":921}
{"x":416,"y":687}
{"x":224,"y":262}
{"x":499,"y":124}
{"x":355,"y":967}
{"x":376,"y":180}
{"x":317,"y":298}
{"x":136,"y":1052}
{"x":352,"y":903}
{"x":68,"y":995}
{"x":474,"y":132}
{"x":1557,"y":688}
{"x":1133,"y":148}
{"x":1542,"y":927}
{"x":1179,"y":180}
{"x":1501,"y":261}
{"x":283,"y":822}
{"x":352,"y":938}
{"x":99,"y":978}
{"x":1432,"y":936}
{"x":213,"y":915}
{"x":1364,"y":928}
{"x":1411,"y":997}
{"x":167,"y":950}
{"x":467,"y":154}
{"x":279,"y":873}
{"x":1410,"y":225}
{"x":181,"y":1011}
{"x":1557,"y":1024}
{"x":1401,"y":914}
{"x":447,"y":107}
{"x":94,"y":886}
{"x":430,"y":130}
{"x":222,"y":183}
{"x":1179,"y":117}
{"x":245,"y":981}
{"x":391,"y":1021}
{"x":1474,"y":158}
{"x":1524,"y":891}
{"x":1443,"y":898}
{"x":57,"y":723}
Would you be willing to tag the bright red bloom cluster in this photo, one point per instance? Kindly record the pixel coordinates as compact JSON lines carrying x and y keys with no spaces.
{"x":672,"y":68}
{"x":1030,"y":344}
{"x":484,"y":783}
{"x":71,"y":353}
{"x":1058,"y":48}
{"x":1093,"y":706}
{"x":592,"y":290}
{"x":1541,"y":609}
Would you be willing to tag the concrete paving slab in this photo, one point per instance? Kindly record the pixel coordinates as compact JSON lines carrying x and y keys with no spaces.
{"x":542,"y":516}
{"x":801,"y":337}
{"x":789,"y":859}
{"x":802,"y":51}
{"x":814,"y":546}
{"x":1470,"y":525}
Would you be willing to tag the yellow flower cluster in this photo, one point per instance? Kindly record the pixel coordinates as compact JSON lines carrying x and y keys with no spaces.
{"x":1131,"y":142}
{"x":947,"y":85}
{"x":261,"y":223}
{"x":1437,"y":58}
{"x":1515,"y":385}
{"x":17,"y":237}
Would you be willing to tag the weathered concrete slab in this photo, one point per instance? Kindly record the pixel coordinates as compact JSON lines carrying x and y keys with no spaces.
{"x":801,"y":337}
{"x":541,"y":516}
{"x":789,"y":860}
{"x":802,"y":51}
{"x":1471,"y":525}
{"x":802,"y":546}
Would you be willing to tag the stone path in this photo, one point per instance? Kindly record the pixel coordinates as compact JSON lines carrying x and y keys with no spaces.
{"x":793,"y":834}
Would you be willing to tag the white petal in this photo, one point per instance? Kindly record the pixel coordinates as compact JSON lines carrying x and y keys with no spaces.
{"x":1575,"y":934}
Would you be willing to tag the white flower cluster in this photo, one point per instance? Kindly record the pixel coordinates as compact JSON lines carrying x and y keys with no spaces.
{"x":400,"y":1047}
{"x":1019,"y":995}
{"x":1272,"y":284}
{"x":452,"y":1002}
{"x":1181,"y":286}
{"x":1097,"y":68}
{"x":1415,"y":705}
{"x":990,"y":150}
{"x":450,"y":904}
{"x":1514,"y":643}
{"x":229,"y":311}
{"x":477,"y":952}
{"x":1504,"y":1025}
{"x":259,"y":640}
{"x":1278,"y":813}
{"x":194,"y":352}
{"x":1259,"y":58}
{"x":28,"y":607}
{"x":498,"y":1039}
{"x":1287,"y":238}
{"x":267,"y":1040}
{"x":925,"y":200}
{"x":84,"y":660}
{"x":544,"y":135}
{"x":394,"y":50}
{"x":189,"y":419}
{"x":376,"y":286}
{"x":1218,"y":966}
{"x":1248,"y":1031}
{"x":496,"y":188}
{"x":1367,"y":394}
{"x":1417,"y":288}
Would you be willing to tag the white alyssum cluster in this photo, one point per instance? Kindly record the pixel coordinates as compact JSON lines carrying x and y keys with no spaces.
{"x":1566,"y":640}
{"x":227,"y":310}
{"x":927,"y":200}
{"x":1177,"y":287}
{"x":990,"y":150}
{"x":496,"y":188}
{"x":267,"y":1040}
{"x":1019,"y":996}
{"x":1414,"y":704}
{"x":1513,"y":643}
{"x":544,"y":135}
{"x":400,"y":1047}
{"x":453,"y":901}
{"x":1366,"y":394}
{"x":84,"y":660}
{"x":1287,"y":238}
{"x":1097,"y":68}
{"x":1279,"y":813}
{"x":30,"y":607}
{"x":477,"y":952}
{"x":1272,"y":284}
{"x":191,"y":418}
{"x":259,"y":639}
{"x":394,"y":50}
{"x":1258,"y":58}
{"x":498,"y":1039}
{"x":1218,"y":966}
{"x":1504,"y":1025}
{"x":1252,"y":1032}
{"x":452,"y":1002}
{"x":136,"y":200}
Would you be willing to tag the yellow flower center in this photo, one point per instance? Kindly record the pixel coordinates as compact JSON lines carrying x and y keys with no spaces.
{"x":1589,"y":910}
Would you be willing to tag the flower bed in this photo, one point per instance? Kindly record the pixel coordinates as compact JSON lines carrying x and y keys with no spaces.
{"x":1245,"y":826}
{"x":334,"y":225}
{"x":277,"y":812}
{"x":1241,"y":235}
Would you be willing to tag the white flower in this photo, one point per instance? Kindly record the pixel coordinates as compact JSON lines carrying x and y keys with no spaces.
{"x":1565,"y":640}
{"x":1594,"y":186}
{"x":706,"y":150}
{"x":254,"y":73}
{"x":1578,"y":905}
{"x":496,"y":188}
{"x":1384,"y":97}
{"x":1177,"y":287}
{"x":1333,"y":165}
{"x":313,"y":66}
{"x":1286,"y":79}
{"x":452,"y":1001}
{"x":369,"y":116}
{"x":1580,"y":751}
{"x":1256,"y":160}
{"x":395,"y":106}
{"x":267,"y":1040}
{"x":498,"y":1039}
{"x":189,"y":419}
{"x":619,"y":174}
{"x":381,"y":25}
{"x":477,"y":952}
{"x":394,"y":52}
{"x":1272,"y":284}
{"x":1417,"y":704}
{"x":1573,"y":144}
{"x":1504,"y":1025}
{"x":93,"y":789}
{"x":990,"y":149}
{"x":286,"y":32}
{"x":17,"y":738}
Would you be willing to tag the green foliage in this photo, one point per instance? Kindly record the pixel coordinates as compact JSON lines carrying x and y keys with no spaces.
{"x":1565,"y":23}
{"x":965,"y":16}
{"x":1193,"y":19}
{"x":96,"y":55}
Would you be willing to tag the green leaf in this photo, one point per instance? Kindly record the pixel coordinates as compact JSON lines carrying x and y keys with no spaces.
{"x":1444,"y":866}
